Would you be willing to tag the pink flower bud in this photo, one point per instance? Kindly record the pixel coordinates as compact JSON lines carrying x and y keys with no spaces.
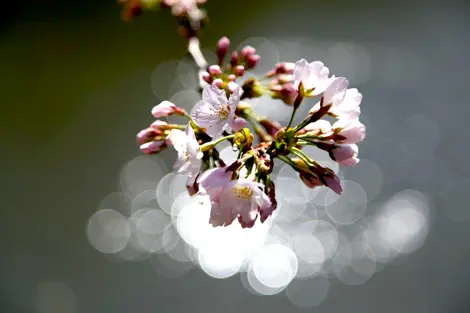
{"x":247,"y":51}
{"x":239,"y":70}
{"x":160,"y":126}
{"x":146,"y":135}
{"x":343,"y":152}
{"x":332,"y":181}
{"x":206,"y":77}
{"x":234,"y":58}
{"x":166,"y":108}
{"x":222,"y":48}
{"x":232,"y":77}
{"x":152,"y":147}
{"x":219,"y":83}
{"x":238,"y":124}
{"x":252,"y":60}
{"x":311,"y":181}
{"x":215,"y":70}
{"x":288,"y":94}
{"x":285,"y":68}
{"x":284,"y":79}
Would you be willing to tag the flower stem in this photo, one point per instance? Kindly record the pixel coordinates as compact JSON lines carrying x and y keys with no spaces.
{"x":286,"y":159}
{"x":195,"y":50}
{"x":252,"y":119}
{"x":291,"y":118}
{"x":302,"y":155}
{"x":210,"y":145}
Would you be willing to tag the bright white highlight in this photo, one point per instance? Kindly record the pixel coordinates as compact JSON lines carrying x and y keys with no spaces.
{"x":108,"y":231}
{"x":400,"y":227}
{"x":274,"y":266}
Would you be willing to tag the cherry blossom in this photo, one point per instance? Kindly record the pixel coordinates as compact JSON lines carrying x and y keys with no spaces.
{"x":314,"y":76}
{"x":189,"y":154}
{"x":215,"y":113}
{"x":350,"y":131}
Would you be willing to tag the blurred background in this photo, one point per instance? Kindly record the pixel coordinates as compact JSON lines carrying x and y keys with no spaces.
{"x":78,"y":84}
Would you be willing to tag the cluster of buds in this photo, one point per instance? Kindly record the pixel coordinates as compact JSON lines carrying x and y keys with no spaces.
{"x":243,"y":190}
{"x":223,"y":74}
{"x":190,"y":17}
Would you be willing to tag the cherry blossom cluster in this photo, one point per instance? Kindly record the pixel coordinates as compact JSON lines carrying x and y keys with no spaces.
{"x":244,"y":190}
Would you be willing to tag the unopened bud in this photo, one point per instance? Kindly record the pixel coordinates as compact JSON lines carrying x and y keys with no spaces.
{"x":206,"y":77}
{"x":160,"y":126}
{"x":146,"y":135}
{"x":239,"y":70}
{"x":285,"y":68}
{"x":310,"y":180}
{"x":219,"y":83}
{"x":222,"y":48}
{"x":287,"y":94}
{"x":232,"y":77}
{"x":252,"y":61}
{"x":332,"y":181}
{"x":247,"y":51}
{"x":215,"y":70}
{"x":166,"y":108}
{"x":234,"y":59}
{"x":284,"y":79}
{"x":238,"y":124}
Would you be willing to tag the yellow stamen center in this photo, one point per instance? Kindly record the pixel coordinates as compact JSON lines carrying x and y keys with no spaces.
{"x":242,"y":192}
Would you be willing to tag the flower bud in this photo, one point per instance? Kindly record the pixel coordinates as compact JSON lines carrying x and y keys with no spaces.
{"x":234,"y":59}
{"x":166,"y":108}
{"x":222,"y":48}
{"x":287,"y":93}
{"x":146,"y":135}
{"x":206,"y":77}
{"x":219,"y":83}
{"x":285,"y":68}
{"x":252,"y":61}
{"x":239,"y":70}
{"x":160,"y":126}
{"x":332,"y":181}
{"x":345,"y":154}
{"x":247,"y":51}
{"x":284,"y":79}
{"x":232,"y":77}
{"x":238,"y":124}
{"x":215,"y":70}
{"x":310,"y":180}
{"x":151,"y":140}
